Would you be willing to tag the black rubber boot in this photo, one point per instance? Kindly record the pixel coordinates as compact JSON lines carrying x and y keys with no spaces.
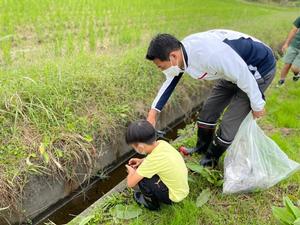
{"x":147,"y":202}
{"x":214,"y":152}
{"x":205,"y":135}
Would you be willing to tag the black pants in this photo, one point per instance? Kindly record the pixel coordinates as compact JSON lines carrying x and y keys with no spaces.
{"x":224,"y":95}
{"x":155,"y":189}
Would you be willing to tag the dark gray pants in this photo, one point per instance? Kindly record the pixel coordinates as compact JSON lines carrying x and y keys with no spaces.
{"x":227,"y":95}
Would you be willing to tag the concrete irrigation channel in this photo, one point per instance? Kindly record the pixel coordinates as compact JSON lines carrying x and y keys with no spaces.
{"x":48,"y":198}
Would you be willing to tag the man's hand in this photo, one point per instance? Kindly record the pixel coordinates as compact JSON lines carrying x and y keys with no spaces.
{"x":258,"y":114}
{"x":152,"y":116}
{"x":284,"y":48}
{"x":135,"y":162}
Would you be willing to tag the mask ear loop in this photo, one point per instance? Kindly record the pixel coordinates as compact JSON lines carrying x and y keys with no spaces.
{"x":183,"y":59}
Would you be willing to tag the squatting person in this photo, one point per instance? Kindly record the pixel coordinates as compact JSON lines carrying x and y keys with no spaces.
{"x":162,"y":176}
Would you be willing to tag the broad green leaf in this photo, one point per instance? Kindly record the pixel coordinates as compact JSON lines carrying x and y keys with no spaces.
{"x":208,"y":171}
{"x":195,"y":167}
{"x":201,"y":170}
{"x":203,"y":197}
{"x":212,"y":177}
{"x":125,"y":212}
{"x":297,"y":222}
{"x":283,"y":215}
{"x":219,"y":183}
{"x":291,"y":207}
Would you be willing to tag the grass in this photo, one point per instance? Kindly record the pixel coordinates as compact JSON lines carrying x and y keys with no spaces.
{"x":73,"y":72}
{"x":252,"y":208}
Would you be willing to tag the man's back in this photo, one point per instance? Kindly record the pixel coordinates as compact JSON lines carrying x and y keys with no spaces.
{"x":257,"y":55}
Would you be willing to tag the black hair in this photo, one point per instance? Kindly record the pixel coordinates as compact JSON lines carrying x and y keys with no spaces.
{"x":140,"y":131}
{"x":161,"y":46}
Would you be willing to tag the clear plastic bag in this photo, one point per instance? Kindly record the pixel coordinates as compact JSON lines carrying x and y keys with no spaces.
{"x":254,"y":161}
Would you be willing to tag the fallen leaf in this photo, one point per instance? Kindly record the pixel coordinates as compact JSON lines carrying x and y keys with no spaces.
{"x":203,"y":197}
{"x":125,"y":212}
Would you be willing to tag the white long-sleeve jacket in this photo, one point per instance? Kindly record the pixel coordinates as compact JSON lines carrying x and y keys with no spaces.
{"x":223,"y":54}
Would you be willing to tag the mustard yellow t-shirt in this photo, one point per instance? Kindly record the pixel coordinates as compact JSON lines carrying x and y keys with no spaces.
{"x":168,"y":164}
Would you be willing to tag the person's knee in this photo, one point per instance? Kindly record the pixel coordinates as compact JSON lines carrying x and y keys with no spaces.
{"x":229,"y":127}
{"x":146,"y":184}
{"x":224,"y":138}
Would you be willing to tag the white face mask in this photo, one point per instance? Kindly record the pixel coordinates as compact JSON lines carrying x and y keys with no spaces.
{"x":139,"y":151}
{"x":142,"y":153}
{"x":172,"y":71}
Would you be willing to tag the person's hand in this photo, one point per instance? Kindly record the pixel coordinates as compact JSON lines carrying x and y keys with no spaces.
{"x":258,"y":114}
{"x":284,"y":48}
{"x":152,"y":117}
{"x":135,"y":162}
{"x":130,"y":170}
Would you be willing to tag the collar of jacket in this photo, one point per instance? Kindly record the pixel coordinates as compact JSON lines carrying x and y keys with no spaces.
{"x":184,"y":55}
